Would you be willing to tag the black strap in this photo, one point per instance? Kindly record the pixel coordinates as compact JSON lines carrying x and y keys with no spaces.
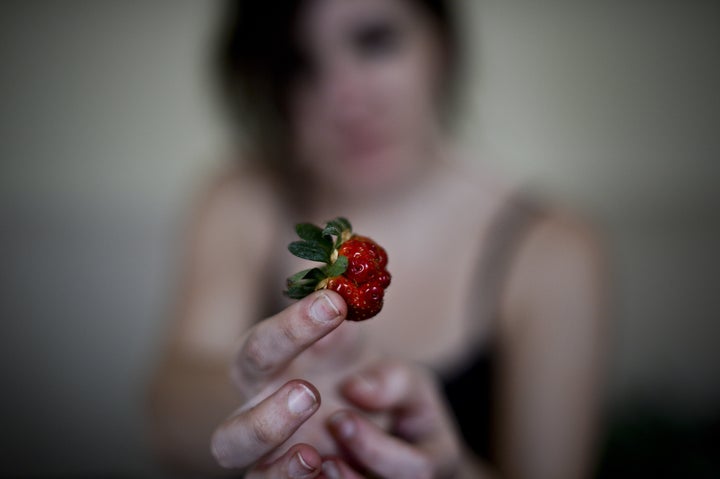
{"x":469,"y":390}
{"x":505,"y":236}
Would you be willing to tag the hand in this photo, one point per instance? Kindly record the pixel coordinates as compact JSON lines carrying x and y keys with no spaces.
{"x":305,"y":340}
{"x":422,"y":443}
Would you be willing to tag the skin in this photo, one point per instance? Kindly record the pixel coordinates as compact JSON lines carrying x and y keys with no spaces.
{"x":310,"y":395}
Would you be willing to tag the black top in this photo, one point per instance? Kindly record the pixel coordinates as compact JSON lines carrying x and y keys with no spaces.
{"x":470,"y":389}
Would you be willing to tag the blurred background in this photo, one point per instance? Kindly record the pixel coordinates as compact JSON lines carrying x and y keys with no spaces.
{"x":108,"y":130}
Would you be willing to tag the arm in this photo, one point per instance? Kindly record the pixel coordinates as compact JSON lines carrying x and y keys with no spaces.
{"x":190,"y":392}
{"x":551,"y":343}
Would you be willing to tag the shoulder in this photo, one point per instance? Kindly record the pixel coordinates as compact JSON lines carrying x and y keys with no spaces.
{"x":564,"y":237}
{"x":561,"y":263}
{"x":232,"y":186}
{"x":236,"y":206}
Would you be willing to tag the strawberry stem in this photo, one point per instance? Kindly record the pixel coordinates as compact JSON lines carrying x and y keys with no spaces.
{"x":317,"y":244}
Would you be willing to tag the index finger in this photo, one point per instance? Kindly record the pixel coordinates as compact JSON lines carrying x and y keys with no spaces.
{"x":248,"y":435}
{"x":271,"y":344}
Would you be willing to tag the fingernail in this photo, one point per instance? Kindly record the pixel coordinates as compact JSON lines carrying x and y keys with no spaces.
{"x":299,"y":467}
{"x":323,"y":310}
{"x":331,"y":470}
{"x":301,"y":399}
{"x":343,"y":425}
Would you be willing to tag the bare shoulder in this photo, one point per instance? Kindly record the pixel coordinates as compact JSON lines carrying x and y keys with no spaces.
{"x":237,"y":203}
{"x":565,"y":237}
{"x":234,"y":188}
{"x":561,"y":261}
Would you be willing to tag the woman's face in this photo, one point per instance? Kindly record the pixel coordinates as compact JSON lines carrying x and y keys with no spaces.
{"x":364,"y":104}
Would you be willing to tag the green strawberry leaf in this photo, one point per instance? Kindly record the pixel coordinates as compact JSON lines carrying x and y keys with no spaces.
{"x":310,"y":251}
{"x":330,"y":230}
{"x":344,"y":223}
{"x":309,"y":232}
{"x":300,"y":275}
{"x":303,"y":282}
{"x":315,"y":275}
{"x":337,"y":268}
{"x":299,"y":291}
{"x":317,"y":245}
{"x":336,"y":227}
{"x":313,"y":234}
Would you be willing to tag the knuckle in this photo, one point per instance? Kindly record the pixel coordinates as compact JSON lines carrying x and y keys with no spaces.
{"x":254,"y":357}
{"x":262,"y":434}
{"x":289,"y":332}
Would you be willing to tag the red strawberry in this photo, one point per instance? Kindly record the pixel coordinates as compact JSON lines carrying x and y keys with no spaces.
{"x":355,"y":267}
{"x":366,"y":258}
{"x":363,"y":301}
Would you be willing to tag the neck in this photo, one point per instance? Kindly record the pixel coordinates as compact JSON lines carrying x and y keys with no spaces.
{"x":333,"y":201}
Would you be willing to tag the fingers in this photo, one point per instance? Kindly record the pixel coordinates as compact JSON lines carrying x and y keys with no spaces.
{"x":270,"y":345}
{"x":419,"y":412}
{"x":246,"y":437}
{"x":388,"y":385}
{"x":299,"y":462}
{"x":376,"y":451}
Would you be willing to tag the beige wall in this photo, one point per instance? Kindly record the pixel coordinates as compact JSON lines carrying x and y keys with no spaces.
{"x":106,"y":130}
{"x":615,"y":106}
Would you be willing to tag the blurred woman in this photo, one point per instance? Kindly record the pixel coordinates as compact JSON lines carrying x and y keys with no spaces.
{"x":484,"y":361}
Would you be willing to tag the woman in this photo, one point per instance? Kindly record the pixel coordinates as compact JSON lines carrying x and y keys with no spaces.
{"x":484,"y":360}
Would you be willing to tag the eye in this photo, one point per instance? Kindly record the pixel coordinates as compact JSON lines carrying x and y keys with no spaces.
{"x":376,"y":39}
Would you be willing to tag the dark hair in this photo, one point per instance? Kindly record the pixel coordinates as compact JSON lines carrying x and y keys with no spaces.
{"x":256,"y":58}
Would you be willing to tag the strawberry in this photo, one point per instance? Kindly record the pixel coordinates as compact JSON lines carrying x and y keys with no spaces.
{"x":355,"y":267}
{"x":366,"y":259}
